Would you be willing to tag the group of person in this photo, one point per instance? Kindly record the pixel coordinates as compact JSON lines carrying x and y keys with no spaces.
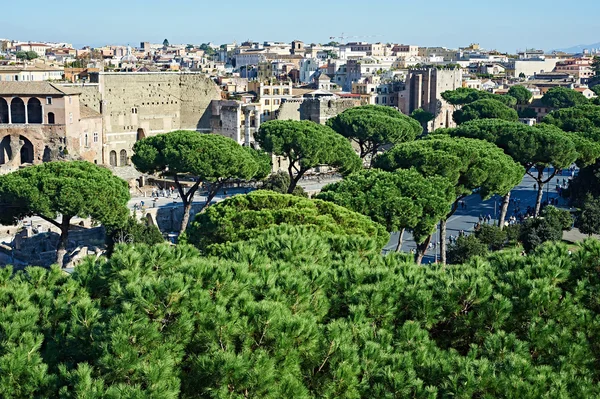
{"x":163,"y":192}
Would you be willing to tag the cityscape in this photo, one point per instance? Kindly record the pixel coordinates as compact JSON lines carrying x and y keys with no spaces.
{"x":350,"y":218}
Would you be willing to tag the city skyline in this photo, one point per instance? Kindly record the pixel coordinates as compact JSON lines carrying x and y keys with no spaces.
{"x":516,"y":25}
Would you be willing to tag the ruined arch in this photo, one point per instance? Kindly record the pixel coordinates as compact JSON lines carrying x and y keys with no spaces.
{"x":26,"y":151}
{"x":123,"y":158}
{"x":5,"y":150}
{"x":17,"y":110}
{"x":141,"y":134}
{"x":3,"y":111}
{"x":112,"y":158}
{"x":34,"y":111}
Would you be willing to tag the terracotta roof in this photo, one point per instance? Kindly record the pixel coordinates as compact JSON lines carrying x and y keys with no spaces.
{"x":86,"y":112}
{"x":35,"y":88}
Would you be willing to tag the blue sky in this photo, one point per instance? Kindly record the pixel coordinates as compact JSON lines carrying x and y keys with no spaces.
{"x":506,"y":25}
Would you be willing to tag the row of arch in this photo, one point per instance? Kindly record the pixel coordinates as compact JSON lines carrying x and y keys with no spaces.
{"x":123,"y":159}
{"x":19,"y":112}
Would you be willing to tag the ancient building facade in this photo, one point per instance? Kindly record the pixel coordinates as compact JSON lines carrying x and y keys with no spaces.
{"x":139,"y":104}
{"x":424,"y":88}
{"x":40,"y":122}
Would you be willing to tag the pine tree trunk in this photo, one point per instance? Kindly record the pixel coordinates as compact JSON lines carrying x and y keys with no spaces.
{"x":421,"y":250}
{"x":443,"y":241}
{"x":399,"y":246}
{"x":504,"y":210}
{"x":187,"y":209}
{"x":61,"y":249}
{"x":538,"y":201}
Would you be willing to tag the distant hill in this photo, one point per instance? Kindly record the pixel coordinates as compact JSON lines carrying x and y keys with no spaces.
{"x":579,"y":48}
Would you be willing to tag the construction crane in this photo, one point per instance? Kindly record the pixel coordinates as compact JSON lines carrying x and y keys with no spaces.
{"x":343,"y":38}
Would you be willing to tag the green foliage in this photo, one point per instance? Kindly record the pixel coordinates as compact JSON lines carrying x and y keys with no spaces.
{"x":71,"y":189}
{"x":582,"y":118}
{"x":374,"y":126}
{"x":306,"y":145}
{"x":422,"y":116}
{"x":166,"y":43}
{"x":209,"y":159}
{"x":538,"y":146}
{"x":527,"y":113}
{"x":587,"y":182}
{"x":295,"y":314}
{"x":465,"y":248}
{"x":491,"y":236}
{"x":561,"y":97}
{"x":400,"y":200}
{"x":548,"y":227}
{"x":244,"y":216}
{"x":596,"y":89}
{"x":467,"y":163}
{"x":486,"y":108}
{"x":26,"y":55}
{"x":520,"y":93}
{"x":558,"y":217}
{"x":465,"y":95}
{"x":279,"y":183}
{"x":207,"y":49}
{"x":133,"y":231}
{"x":588,"y":220}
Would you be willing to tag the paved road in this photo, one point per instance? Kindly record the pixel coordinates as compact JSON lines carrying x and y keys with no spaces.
{"x":465,"y":219}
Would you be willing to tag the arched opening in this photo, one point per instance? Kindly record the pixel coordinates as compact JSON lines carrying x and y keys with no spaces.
{"x":17,"y":110}
{"x":26,"y":151}
{"x":34,"y":111}
{"x":5,"y":152}
{"x":141,"y":134}
{"x":51,"y":118}
{"x":123,"y":158}
{"x":113,"y":158}
{"x":3,"y":111}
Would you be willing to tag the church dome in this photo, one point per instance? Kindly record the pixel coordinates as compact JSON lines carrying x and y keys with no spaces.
{"x":129,"y":58}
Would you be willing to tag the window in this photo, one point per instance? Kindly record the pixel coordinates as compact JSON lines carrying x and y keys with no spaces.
{"x":85,"y":140}
{"x":48,"y":100}
{"x":267,"y":92}
{"x":95,"y":137}
{"x":70,"y":117}
{"x":70,"y":100}
{"x":267,"y":102}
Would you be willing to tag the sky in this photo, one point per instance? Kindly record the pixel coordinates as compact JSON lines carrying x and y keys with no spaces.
{"x":508,"y":25}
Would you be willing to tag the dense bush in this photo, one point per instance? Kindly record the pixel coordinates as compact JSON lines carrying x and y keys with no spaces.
{"x":548,"y":227}
{"x":299,"y":313}
{"x":465,"y":248}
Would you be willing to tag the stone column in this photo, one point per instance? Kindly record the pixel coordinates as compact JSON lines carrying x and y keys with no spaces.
{"x":26,"y":103}
{"x":15,"y":148}
{"x":9,"y":111}
{"x":247,"y":127}
{"x":257,"y":119}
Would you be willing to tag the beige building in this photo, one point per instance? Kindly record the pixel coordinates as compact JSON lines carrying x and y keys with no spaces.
{"x":38,"y":48}
{"x":270,"y":97}
{"x":41,"y":122}
{"x":30,"y":73}
{"x":424,"y":88}
{"x":405,"y":50}
{"x":134,"y":105}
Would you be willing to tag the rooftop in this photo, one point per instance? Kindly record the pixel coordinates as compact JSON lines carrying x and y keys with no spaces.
{"x":86,"y":112}
{"x":35,"y":89}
